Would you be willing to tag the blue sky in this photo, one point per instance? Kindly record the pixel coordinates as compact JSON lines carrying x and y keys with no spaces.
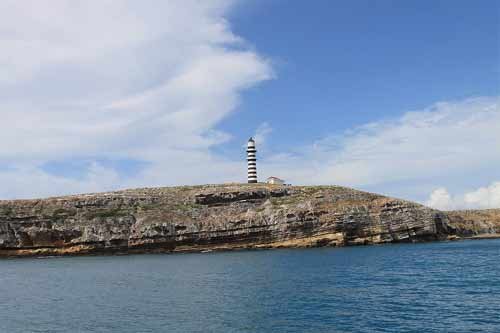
{"x":396,"y":97}
{"x":340,"y":64}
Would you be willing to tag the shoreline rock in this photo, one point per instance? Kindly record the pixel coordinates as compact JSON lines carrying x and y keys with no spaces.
{"x":223,"y":217}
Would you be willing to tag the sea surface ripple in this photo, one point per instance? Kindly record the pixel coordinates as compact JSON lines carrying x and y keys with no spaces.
{"x":429,"y":287}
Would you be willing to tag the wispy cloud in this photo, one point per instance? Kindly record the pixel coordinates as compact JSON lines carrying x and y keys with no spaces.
{"x":261,"y":134}
{"x":118,"y":79}
{"x":407,"y":156}
{"x":150,"y":82}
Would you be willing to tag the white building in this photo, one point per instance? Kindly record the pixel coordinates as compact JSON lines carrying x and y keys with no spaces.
{"x":275,"y":181}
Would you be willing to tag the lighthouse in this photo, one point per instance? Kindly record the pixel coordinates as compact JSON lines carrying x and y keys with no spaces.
{"x":252,"y":161}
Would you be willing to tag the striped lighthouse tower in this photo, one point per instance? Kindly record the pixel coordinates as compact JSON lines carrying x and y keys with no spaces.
{"x":252,"y":161}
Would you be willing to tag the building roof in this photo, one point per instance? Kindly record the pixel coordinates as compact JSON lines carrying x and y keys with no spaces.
{"x":251,"y":140}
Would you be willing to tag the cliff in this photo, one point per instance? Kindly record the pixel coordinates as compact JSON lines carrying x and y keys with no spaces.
{"x":474,"y":223}
{"x":214,"y":217}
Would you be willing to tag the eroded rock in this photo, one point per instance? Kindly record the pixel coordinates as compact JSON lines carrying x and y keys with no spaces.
{"x":215,"y":217}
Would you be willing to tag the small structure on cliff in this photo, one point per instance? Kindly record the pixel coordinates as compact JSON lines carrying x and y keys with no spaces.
{"x":275,"y":181}
{"x":251,"y":161}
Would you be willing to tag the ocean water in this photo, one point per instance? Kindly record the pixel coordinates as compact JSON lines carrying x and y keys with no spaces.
{"x":432,"y":287}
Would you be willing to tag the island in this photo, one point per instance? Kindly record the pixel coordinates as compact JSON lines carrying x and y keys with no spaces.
{"x":225,"y":217}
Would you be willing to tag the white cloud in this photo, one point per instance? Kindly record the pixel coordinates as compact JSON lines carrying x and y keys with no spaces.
{"x":151,"y":80}
{"x":36,"y":34}
{"x":484,"y":197}
{"x":481,"y":198}
{"x":437,"y":145}
{"x":31,"y":182}
{"x":145,"y":80}
{"x":440,"y":199}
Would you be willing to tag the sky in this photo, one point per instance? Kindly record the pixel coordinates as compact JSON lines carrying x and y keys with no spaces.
{"x":396,"y":97}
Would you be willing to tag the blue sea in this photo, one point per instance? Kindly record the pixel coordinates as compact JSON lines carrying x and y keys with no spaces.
{"x":431,"y":287}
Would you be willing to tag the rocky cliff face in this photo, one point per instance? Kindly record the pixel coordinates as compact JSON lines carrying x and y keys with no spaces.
{"x":213,"y":217}
{"x":475,"y":222}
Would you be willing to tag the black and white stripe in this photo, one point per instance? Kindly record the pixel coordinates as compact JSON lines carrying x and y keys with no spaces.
{"x":252,"y":161}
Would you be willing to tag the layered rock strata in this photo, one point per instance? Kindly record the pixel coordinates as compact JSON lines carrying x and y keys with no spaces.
{"x":213,"y":217}
{"x":475,"y":223}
